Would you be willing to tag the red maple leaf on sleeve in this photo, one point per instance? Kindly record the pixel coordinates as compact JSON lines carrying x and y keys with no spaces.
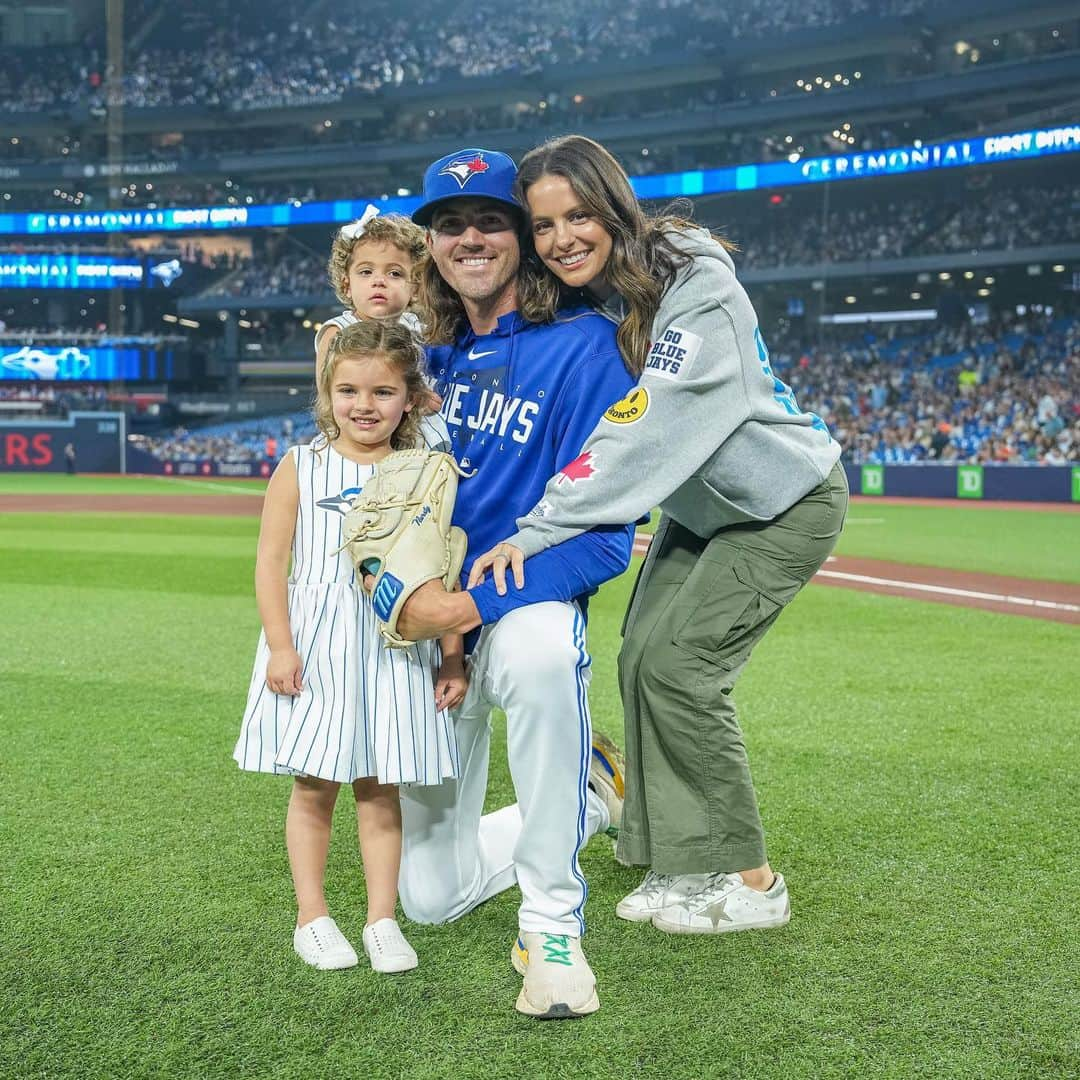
{"x":581,"y":468}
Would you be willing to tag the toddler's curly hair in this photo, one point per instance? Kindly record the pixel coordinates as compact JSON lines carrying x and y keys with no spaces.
{"x":394,"y":229}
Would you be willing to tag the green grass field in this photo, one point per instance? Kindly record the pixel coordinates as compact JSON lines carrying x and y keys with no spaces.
{"x":916,"y":764}
{"x":62,"y":484}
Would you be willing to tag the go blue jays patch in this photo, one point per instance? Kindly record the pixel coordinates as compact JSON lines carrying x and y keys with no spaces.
{"x":672,"y":353}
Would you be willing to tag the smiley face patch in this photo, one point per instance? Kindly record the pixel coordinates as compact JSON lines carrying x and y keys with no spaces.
{"x":630,"y":408}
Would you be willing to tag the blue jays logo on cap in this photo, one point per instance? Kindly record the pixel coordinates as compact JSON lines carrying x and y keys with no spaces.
{"x":464,"y":169}
{"x":472,"y":172}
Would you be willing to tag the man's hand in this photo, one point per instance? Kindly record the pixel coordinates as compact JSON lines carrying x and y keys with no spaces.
{"x":497,"y":560}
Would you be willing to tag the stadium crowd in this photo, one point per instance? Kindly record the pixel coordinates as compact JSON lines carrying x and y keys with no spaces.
{"x":193,"y":57}
{"x":52,"y":399}
{"x":990,"y":220}
{"x":296,"y":274}
{"x":1005,"y":392}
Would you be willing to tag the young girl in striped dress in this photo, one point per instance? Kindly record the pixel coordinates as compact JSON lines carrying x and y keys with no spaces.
{"x":329,"y":703}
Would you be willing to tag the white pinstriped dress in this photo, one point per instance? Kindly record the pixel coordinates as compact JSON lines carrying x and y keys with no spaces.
{"x":365,"y":710}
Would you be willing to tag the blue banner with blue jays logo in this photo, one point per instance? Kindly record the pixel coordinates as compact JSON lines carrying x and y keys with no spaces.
{"x":73,"y":363}
{"x":19,"y":270}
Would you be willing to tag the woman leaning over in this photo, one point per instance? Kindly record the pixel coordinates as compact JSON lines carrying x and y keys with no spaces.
{"x":753,"y":499}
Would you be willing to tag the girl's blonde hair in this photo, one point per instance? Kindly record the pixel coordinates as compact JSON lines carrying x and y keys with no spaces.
{"x":643,"y":260}
{"x":394,"y":229}
{"x":386,"y":341}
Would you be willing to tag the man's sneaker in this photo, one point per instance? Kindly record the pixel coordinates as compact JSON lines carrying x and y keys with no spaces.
{"x":606,"y":771}
{"x":559,"y":984}
{"x":655,"y":893}
{"x":387,"y":948}
{"x":322,"y":945}
{"x":724,"y":904}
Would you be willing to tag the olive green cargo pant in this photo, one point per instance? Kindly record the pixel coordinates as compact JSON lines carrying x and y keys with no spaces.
{"x":698,"y":609}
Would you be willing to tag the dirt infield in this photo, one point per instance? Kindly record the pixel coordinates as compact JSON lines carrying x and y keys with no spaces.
{"x":973,"y":504}
{"x":1056,"y":601}
{"x":227,"y":505}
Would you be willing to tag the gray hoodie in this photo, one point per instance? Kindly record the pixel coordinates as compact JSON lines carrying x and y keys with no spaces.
{"x":709,"y":433}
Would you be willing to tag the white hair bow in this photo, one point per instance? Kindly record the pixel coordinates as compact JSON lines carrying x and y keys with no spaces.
{"x":356,"y":229}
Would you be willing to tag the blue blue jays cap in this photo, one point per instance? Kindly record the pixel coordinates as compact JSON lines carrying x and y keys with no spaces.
{"x":481,"y":174}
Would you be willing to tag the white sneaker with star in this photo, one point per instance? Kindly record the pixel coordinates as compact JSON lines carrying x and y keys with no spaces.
{"x":656,"y":892}
{"x":723,"y":904}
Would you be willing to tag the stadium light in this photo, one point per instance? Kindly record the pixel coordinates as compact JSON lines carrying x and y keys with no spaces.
{"x":905,"y":315}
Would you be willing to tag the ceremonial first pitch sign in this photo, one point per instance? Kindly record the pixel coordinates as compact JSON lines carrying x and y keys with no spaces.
{"x":99,"y":440}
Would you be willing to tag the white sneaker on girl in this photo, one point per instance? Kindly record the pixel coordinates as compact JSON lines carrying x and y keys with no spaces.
{"x":322,"y":945}
{"x":387,"y":948}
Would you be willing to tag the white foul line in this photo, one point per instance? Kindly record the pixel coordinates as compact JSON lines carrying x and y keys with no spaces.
{"x":1023,"y":601}
{"x":641,"y":545}
{"x":216,"y":485}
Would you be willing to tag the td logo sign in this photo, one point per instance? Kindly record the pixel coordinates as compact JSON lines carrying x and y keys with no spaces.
{"x":969,"y":482}
{"x":873,"y":480}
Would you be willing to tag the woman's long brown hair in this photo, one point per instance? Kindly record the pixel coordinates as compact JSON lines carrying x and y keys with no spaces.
{"x":643,"y":261}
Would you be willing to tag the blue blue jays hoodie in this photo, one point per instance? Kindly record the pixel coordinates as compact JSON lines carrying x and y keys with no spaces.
{"x":519,"y":403}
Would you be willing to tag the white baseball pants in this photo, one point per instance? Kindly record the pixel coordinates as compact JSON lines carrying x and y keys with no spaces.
{"x":533,"y":665}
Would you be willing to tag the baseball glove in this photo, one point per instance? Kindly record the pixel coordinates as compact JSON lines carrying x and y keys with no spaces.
{"x":399,"y":530}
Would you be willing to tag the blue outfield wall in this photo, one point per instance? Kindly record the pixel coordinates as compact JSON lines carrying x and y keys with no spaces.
{"x":37,"y":445}
{"x":1012,"y":483}
{"x":139,"y":461}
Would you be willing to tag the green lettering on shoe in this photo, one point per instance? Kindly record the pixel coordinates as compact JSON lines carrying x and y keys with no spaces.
{"x":556,"y":951}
